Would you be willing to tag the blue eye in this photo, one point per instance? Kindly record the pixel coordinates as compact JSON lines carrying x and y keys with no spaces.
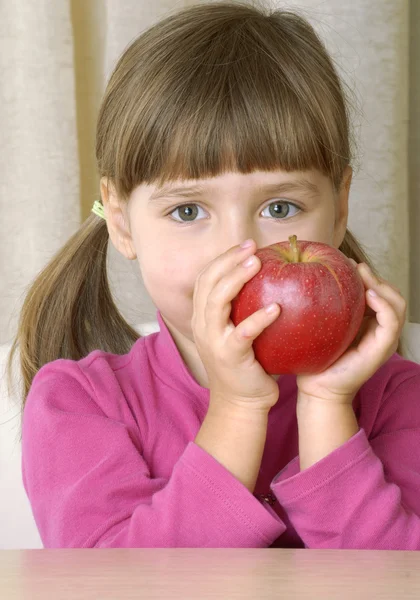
{"x":278,"y":211}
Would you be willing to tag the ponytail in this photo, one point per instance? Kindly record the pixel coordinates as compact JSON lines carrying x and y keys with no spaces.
{"x":68,"y":311}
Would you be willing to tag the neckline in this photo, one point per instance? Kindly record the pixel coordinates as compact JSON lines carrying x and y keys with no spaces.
{"x":168,"y":364}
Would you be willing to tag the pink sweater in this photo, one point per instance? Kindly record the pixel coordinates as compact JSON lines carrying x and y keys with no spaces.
{"x":109,"y":461}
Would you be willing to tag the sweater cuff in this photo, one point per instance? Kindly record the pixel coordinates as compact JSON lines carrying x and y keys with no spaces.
{"x":228,"y":495}
{"x":292,"y":484}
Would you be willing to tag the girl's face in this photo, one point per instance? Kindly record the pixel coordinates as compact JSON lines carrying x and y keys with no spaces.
{"x":174,"y":236}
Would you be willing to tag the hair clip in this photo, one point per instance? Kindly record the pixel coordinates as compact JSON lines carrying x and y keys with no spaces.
{"x":98,"y":209}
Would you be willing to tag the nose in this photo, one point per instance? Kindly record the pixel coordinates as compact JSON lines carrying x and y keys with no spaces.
{"x":238,"y":240}
{"x":235,"y":236}
{"x":231,"y":242}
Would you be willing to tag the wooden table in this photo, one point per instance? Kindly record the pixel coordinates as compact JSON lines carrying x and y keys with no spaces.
{"x":190,"y":573}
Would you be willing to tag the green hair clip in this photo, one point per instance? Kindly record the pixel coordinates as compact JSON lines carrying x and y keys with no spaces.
{"x":98,"y":209}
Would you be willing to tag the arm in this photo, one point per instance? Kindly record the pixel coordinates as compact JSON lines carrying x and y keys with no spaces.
{"x":364,"y":494}
{"x":322,"y":427}
{"x":89,"y":484}
{"x":235,"y":437}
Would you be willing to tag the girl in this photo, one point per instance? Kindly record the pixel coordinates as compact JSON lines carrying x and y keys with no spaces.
{"x":220,"y":124}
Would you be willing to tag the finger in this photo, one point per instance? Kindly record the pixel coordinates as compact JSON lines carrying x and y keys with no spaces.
{"x":366,"y":268}
{"x":384,"y":289}
{"x":243,"y":335}
{"x":382,"y":334}
{"x":368,"y":311}
{"x":212,"y":273}
{"x":218,"y":306}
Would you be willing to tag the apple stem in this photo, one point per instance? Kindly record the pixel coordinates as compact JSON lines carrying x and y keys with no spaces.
{"x":295,"y":249}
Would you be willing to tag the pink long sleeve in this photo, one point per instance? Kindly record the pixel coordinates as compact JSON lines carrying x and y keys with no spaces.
{"x":109,"y":460}
{"x":365,"y":494}
{"x":90,"y":485}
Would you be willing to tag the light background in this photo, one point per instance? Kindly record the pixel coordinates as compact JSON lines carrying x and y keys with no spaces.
{"x":55,"y":58}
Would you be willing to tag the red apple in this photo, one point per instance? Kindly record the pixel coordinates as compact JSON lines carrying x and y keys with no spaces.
{"x":322,"y":300}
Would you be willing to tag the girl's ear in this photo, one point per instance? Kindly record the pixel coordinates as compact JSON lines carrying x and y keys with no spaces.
{"x":342,"y":207}
{"x":117,"y":221}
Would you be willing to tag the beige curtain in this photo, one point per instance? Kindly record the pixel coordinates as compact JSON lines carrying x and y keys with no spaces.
{"x":55,"y":58}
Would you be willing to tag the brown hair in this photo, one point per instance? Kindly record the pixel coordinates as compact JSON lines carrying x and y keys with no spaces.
{"x":223,"y":86}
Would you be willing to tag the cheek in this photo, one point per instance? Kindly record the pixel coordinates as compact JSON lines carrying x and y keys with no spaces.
{"x":165,"y":270}
{"x":322,"y":228}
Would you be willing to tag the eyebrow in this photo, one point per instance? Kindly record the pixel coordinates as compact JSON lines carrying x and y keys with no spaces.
{"x":187,"y":191}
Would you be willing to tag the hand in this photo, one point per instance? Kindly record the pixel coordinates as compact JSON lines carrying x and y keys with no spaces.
{"x":374,"y":344}
{"x":234,"y":374}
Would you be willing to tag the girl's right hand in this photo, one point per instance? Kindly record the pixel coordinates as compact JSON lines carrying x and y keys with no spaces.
{"x":235,"y":376}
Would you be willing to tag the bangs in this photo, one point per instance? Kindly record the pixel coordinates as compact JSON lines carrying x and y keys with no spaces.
{"x":242,"y":99}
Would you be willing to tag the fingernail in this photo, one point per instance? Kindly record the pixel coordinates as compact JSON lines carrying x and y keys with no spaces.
{"x":372,"y":293}
{"x":271,"y":308}
{"x":247,"y":243}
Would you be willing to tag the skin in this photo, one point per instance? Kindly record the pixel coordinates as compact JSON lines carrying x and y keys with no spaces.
{"x":172,"y":250}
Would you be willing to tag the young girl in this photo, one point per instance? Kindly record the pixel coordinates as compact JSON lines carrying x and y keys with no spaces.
{"x":222,"y":123}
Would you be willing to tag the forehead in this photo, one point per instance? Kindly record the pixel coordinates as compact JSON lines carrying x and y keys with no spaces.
{"x":311,"y":181}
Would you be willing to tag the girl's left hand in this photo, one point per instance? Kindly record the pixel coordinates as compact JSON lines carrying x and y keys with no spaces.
{"x":375,"y":343}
